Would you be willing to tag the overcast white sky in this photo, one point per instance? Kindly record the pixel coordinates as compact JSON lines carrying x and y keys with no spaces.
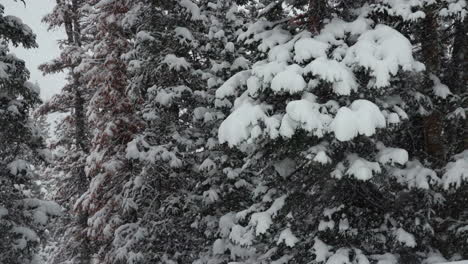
{"x":47,"y":40}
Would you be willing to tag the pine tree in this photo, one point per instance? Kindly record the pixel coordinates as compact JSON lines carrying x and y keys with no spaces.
{"x":72,"y":144}
{"x":23,"y":216}
{"x":112,"y":228}
{"x":319,"y":115}
{"x":455,"y":174}
{"x":438,"y":107}
{"x":183,"y":51}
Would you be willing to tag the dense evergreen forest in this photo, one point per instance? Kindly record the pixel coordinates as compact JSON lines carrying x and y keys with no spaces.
{"x":239,"y":132}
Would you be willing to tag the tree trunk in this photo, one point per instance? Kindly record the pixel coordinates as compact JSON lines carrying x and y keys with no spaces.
{"x":433,"y":127}
{"x":74,"y":34}
{"x":316,"y":14}
{"x":76,"y":23}
{"x":458,"y":81}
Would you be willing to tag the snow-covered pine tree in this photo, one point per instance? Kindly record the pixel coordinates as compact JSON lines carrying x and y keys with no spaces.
{"x":71,"y":145}
{"x":23,"y":216}
{"x":164,"y":69}
{"x":450,"y":98}
{"x":437,"y":106}
{"x":184,"y":50}
{"x":113,"y":228}
{"x":319,"y":114}
{"x":457,"y":79}
{"x":455,"y":175}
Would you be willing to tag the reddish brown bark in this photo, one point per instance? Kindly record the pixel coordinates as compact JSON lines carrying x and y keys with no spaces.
{"x":316,"y":14}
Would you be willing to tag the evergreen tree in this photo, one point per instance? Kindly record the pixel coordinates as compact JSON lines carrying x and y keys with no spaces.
{"x":437,"y":106}
{"x":178,"y":154}
{"x":23,"y":216}
{"x":71,"y":147}
{"x":320,"y":115}
{"x":113,"y":228}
